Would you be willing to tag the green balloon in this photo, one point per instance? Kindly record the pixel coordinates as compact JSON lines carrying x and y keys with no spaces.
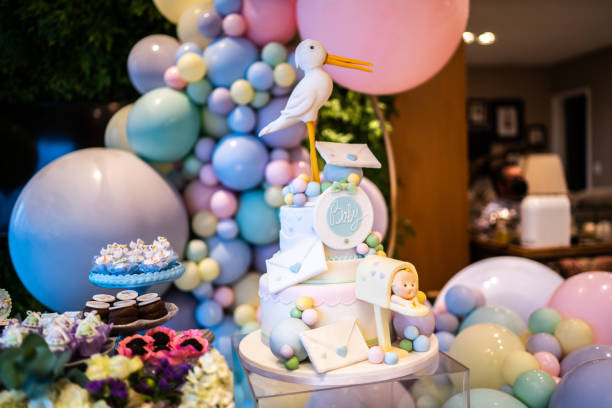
{"x":534,"y":388}
{"x":484,"y":398}
{"x":544,"y":320}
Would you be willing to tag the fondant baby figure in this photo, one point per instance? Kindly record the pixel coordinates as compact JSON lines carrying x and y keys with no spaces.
{"x":405,"y":287}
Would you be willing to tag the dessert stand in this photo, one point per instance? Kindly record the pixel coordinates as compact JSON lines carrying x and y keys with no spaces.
{"x":266,"y":382}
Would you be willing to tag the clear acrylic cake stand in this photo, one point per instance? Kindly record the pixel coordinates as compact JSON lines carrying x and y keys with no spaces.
{"x":438,"y":382}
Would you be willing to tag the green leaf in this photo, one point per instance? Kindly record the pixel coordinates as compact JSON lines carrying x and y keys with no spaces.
{"x":31,"y":342}
{"x":60,"y":362}
{"x":11,"y":374}
{"x":36,"y":388}
{"x":77,"y":376}
{"x":42,"y":364}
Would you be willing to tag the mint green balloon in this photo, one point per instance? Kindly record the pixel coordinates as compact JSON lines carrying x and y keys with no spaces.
{"x":534,"y":388}
{"x":497,"y":315}
{"x":163,"y":125}
{"x":484,"y":398}
{"x":544,"y":320}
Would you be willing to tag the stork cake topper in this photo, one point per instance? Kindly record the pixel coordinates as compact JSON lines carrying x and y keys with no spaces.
{"x":311,"y":92}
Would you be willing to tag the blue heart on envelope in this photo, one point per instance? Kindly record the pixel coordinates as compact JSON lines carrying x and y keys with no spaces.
{"x":295,"y":267}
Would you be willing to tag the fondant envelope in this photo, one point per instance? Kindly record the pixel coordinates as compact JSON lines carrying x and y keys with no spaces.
{"x":335,"y":345}
{"x":296,"y":264}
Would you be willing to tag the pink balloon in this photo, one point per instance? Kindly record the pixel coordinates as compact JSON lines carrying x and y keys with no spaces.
{"x":278,"y":172}
{"x":173,"y":79}
{"x":548,"y":362}
{"x":587,"y":296}
{"x":408,"y":41}
{"x":269,"y":20}
{"x":381,"y":216}
{"x":197,"y":196}
{"x":208,"y":177}
{"x":223,"y":204}
{"x":224,"y":296}
{"x":234,"y":25}
{"x":301,"y":167}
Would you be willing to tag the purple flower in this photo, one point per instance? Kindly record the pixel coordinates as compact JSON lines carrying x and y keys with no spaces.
{"x":163,"y":384}
{"x":96,"y":386}
{"x":118,"y":388}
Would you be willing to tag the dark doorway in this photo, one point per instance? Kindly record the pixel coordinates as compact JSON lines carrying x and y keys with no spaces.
{"x":575,"y":113}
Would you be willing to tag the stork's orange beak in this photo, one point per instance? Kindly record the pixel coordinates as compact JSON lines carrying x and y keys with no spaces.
{"x":347,"y":62}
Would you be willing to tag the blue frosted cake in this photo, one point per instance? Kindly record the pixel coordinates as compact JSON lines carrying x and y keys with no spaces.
{"x":136,"y":264}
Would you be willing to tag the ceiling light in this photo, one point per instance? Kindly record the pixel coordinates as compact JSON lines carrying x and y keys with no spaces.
{"x":486,"y":38}
{"x":468,"y":37}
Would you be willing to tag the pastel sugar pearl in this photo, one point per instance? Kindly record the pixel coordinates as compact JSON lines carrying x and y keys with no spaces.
{"x":376,"y":355}
{"x":191,"y":67}
{"x":196,"y":250}
{"x":299,"y":185}
{"x":313,"y":189}
{"x":224,"y":296}
{"x":310,"y":316}
{"x":304,"y":302}
{"x":353,"y":178}
{"x":391,"y":358}
{"x":362,"y":248}
{"x":286,"y":351}
{"x":292,"y":364}
{"x":244,"y":314}
{"x":289,"y":199}
{"x":421,"y":343}
{"x":242,"y":92}
{"x":372,"y":241}
{"x":208,"y":269}
{"x":411,"y":332}
{"x":299,"y":199}
{"x":406,"y":345}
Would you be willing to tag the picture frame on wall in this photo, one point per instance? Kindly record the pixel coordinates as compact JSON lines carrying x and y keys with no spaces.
{"x":508,"y":119}
{"x":537,"y":135}
{"x":478,"y":116}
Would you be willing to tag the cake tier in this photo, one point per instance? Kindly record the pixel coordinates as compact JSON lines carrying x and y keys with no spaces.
{"x":333,"y":303}
{"x":340,"y":271}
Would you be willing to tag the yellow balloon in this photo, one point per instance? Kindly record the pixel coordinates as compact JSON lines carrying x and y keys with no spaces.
{"x":284,"y":74}
{"x":573,"y":334}
{"x":191,"y":67}
{"x":172,"y":9}
{"x":204,"y":224}
{"x":483,"y":348}
{"x":209,"y":269}
{"x":190,"y":279}
{"x":244,"y":314}
{"x":525,"y":337}
{"x":516,"y":363}
{"x":187,"y":27}
{"x":245,"y":290}
{"x":115,"y":135}
{"x":242,"y":92}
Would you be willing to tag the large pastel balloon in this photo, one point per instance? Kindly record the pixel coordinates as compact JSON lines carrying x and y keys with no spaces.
{"x":259,"y":223}
{"x":519,"y":284}
{"x":381,"y":214}
{"x":269,"y":20}
{"x":233,"y":256}
{"x":149,"y":59}
{"x":496,"y":315}
{"x":592,"y":352}
{"x":163,"y":125}
{"x":587,"y":296}
{"x":240,"y":161}
{"x":172,"y":9}
{"x":484,"y":398}
{"x":187,"y":27}
{"x":483,"y":348}
{"x":388,"y":33}
{"x":287,"y":138}
{"x":115,"y":135}
{"x":76,"y":205}
{"x":587,"y":385}
{"x":228,"y":59}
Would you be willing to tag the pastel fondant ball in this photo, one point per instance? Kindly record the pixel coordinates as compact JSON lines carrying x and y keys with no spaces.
{"x":233,"y":256}
{"x":496,"y":315}
{"x":163,"y":125}
{"x":376,"y":355}
{"x":226,"y":7}
{"x":425,"y":324}
{"x":534,"y":388}
{"x":411,"y":332}
{"x":544,"y":320}
{"x":240,"y":161}
{"x":573,"y":334}
{"x":460,"y":300}
{"x":587,"y":385}
{"x":287,"y":332}
{"x":304,"y":302}
{"x":196,"y":250}
{"x":391,"y":358}
{"x":259,"y":223}
{"x":172,"y":78}
{"x":516,"y":363}
{"x":228,"y":59}
{"x":447,"y":322}
{"x":421,"y":343}
{"x":406,"y":344}
{"x":209,"y":23}
{"x":544,"y":342}
{"x":310,"y":316}
{"x":286,"y":351}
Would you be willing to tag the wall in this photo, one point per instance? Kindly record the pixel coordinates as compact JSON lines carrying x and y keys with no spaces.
{"x":430,"y":143}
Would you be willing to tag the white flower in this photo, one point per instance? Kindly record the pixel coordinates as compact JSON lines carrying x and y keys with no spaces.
{"x":71,"y":395}
{"x":209,"y":383}
{"x":13,"y":399}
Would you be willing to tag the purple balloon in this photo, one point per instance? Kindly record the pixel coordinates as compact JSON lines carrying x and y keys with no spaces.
{"x":209,"y":24}
{"x":592,"y":352}
{"x":425,"y":324}
{"x":149,"y":59}
{"x":381,"y":216}
{"x":544,"y":342}
{"x":286,"y":138}
{"x":204,"y":148}
{"x":261,"y":253}
{"x":587,"y":385}
{"x":220,"y":101}
{"x":187,"y":304}
{"x":446,"y":321}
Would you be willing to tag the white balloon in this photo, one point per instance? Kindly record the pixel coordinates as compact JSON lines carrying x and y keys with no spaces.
{"x":519,"y":284}
{"x":115,"y":135}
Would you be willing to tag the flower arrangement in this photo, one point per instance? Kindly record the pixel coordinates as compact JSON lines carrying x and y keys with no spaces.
{"x":209,"y":383}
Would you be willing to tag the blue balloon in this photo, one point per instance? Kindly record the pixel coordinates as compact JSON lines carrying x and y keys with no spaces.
{"x":223,"y":333}
{"x":289,"y":137}
{"x":447,"y":322}
{"x":460,"y":300}
{"x":209,"y":313}
{"x":497,"y":315}
{"x":163,"y":125}
{"x":261,"y":253}
{"x":240,"y":161}
{"x":261,"y":76}
{"x":214,"y":125}
{"x":334,"y":173}
{"x":199,"y":91}
{"x":445,"y":339}
{"x":186,"y":48}
{"x":259,"y":223}
{"x":220,"y":101}
{"x":233,"y":256}
{"x":484,"y":398}
{"x":187,"y":304}
{"x":228,"y":228}
{"x":241,"y":119}
{"x":577,"y":357}
{"x":226,"y":7}
{"x":209,"y":23}
{"x":587,"y":385}
{"x":228,"y":59}
{"x":203,"y":291}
